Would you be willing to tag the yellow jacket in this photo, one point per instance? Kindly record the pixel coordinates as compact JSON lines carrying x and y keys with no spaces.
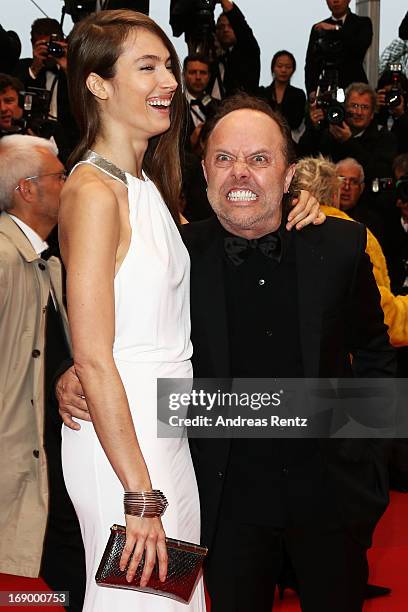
{"x":395,"y":307}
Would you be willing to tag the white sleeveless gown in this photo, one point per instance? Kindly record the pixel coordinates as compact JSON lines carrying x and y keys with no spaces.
{"x":152,"y":340}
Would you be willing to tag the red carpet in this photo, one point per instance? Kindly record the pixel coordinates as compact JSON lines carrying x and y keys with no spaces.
{"x":388,"y":559}
{"x":388,"y":566}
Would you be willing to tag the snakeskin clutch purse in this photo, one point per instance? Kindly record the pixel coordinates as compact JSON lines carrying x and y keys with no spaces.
{"x":184,"y":564}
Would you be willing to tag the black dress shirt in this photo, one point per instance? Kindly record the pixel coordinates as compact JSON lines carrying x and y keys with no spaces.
{"x":265,"y":343}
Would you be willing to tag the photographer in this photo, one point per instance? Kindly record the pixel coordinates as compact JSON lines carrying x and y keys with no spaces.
{"x":10,"y":110}
{"x":338,"y":43}
{"x":392,"y":103}
{"x":236,"y":63}
{"x":239,"y":64}
{"x":46,"y":70}
{"x":357,"y":136}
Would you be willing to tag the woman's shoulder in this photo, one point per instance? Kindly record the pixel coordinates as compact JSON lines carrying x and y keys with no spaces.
{"x":88,"y":185}
{"x":265,"y":91}
{"x":88,"y":197}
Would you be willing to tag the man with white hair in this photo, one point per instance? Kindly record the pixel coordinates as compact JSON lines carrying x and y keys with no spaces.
{"x":33,"y":331}
{"x":352,"y":199}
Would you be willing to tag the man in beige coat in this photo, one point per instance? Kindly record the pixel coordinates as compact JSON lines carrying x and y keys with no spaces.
{"x":31,"y":178}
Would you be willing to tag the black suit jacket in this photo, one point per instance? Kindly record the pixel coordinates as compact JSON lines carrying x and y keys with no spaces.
{"x":292,"y":106}
{"x":244,"y":61}
{"x":356,"y":36}
{"x":340,"y":313}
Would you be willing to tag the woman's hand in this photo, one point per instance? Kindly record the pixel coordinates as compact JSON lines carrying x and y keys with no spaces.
{"x":144,"y":535}
{"x":306,"y":210}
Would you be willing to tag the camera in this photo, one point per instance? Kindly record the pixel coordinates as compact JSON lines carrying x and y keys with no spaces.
{"x":333,"y":109}
{"x":330,"y":98}
{"x":54,"y":48}
{"x":78,"y":9}
{"x":329,"y":48}
{"x":196,"y":19}
{"x":395,"y":84}
{"x":393,"y":95}
{"x":380,"y":184}
{"x":402,"y":188}
{"x":392,"y":98}
{"x":35,"y":104}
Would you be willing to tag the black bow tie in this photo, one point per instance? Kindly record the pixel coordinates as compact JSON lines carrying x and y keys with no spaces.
{"x":237,"y":249}
{"x":194,"y":102}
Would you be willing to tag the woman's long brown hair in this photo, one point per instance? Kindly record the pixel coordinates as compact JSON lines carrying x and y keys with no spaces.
{"x":95,"y":45}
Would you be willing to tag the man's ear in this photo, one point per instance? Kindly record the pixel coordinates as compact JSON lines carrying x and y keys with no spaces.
{"x":97,"y":86}
{"x":26,"y":189}
{"x":204,"y":170}
{"x":288,"y":177}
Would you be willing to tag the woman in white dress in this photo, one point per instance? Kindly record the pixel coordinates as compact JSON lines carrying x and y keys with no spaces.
{"x":128,"y":297}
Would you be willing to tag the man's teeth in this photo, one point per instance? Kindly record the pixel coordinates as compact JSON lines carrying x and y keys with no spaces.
{"x":159,"y":102}
{"x":241,"y":196}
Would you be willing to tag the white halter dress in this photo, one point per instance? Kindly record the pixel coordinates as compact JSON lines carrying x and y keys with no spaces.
{"x":152,"y":340}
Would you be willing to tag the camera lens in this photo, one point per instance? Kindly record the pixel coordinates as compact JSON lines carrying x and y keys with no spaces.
{"x":392,"y":98}
{"x":55,"y":49}
{"x":335,"y":114}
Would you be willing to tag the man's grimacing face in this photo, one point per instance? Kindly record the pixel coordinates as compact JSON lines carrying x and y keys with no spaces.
{"x":247,"y":173}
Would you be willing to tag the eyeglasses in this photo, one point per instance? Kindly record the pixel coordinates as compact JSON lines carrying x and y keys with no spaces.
{"x":62,"y":177}
{"x":353,"y":182}
{"x":363,"y":107}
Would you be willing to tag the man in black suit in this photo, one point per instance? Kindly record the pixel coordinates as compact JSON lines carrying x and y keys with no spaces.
{"x":338,"y":43}
{"x":300,"y":313}
{"x":196,"y":75}
{"x":239,"y":65}
{"x":270,"y":303}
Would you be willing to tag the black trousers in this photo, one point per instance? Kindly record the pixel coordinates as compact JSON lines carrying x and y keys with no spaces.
{"x":246,"y":561}
{"x":63,"y":560}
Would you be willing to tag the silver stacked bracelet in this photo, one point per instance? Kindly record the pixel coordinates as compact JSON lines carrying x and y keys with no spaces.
{"x":146,"y":504}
